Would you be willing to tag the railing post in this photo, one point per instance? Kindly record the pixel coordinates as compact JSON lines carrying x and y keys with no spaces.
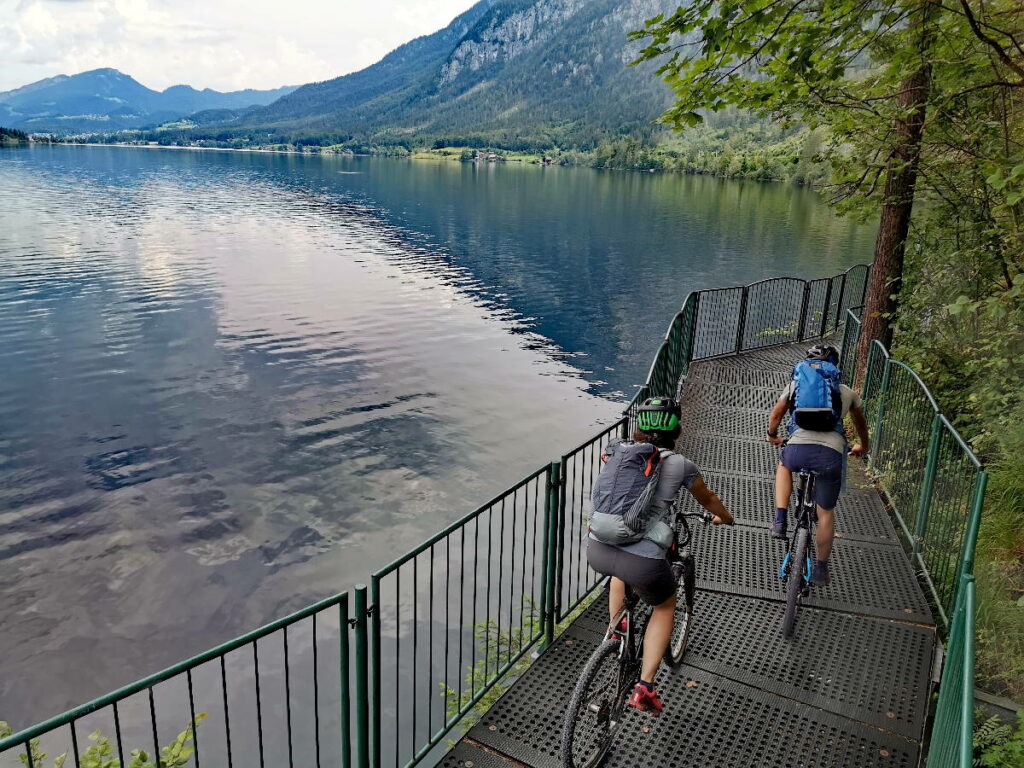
{"x":344,"y":694}
{"x":928,"y":482}
{"x":842,"y":294}
{"x":973,"y":524}
{"x":876,"y":437}
{"x":373,"y":614}
{"x":362,"y":698}
{"x":692,"y":334}
{"x":742,"y":322}
{"x":559,"y":533}
{"x":824,"y":308}
{"x":966,"y":740}
{"x":547,"y":605}
{"x":804,"y":303}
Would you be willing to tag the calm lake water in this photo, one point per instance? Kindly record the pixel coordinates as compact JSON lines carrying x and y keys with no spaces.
{"x":234,"y":383}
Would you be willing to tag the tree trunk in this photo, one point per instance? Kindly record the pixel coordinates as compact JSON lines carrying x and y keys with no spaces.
{"x":890,"y":245}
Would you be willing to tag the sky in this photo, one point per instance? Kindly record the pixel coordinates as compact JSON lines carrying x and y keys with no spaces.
{"x":220,"y":44}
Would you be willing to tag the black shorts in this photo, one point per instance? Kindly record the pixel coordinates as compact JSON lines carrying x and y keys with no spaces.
{"x":650,"y":578}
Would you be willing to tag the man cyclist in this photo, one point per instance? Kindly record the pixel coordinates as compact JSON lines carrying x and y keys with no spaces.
{"x":821,"y":452}
{"x":644,"y":564}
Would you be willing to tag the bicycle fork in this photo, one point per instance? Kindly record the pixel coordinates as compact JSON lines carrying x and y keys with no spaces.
{"x":784,"y":568}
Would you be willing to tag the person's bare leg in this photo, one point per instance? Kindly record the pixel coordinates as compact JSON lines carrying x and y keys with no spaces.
{"x":616,"y":596}
{"x":825,"y":533}
{"x":783,"y":486}
{"x":659,"y":631}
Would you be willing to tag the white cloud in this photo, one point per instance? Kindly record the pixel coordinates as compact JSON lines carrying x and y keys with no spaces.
{"x":222,"y":44}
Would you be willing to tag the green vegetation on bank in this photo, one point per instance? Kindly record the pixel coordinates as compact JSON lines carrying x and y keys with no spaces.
{"x":12,"y":136}
{"x":734,"y":145}
{"x":920,"y":107}
{"x":100,"y":753}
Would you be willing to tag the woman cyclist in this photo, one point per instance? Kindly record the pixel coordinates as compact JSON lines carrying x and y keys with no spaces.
{"x":644,"y":564}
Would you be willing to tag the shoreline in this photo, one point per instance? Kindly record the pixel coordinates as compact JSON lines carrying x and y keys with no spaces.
{"x":423,"y":155}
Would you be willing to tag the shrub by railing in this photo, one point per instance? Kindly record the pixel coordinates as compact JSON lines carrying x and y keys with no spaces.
{"x":446,"y":623}
{"x":936,"y":487}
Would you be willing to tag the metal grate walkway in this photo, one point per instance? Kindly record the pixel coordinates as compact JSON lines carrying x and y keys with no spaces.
{"x":849,"y":690}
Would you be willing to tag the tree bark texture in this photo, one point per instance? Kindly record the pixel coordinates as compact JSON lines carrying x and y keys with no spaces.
{"x":890,"y":245}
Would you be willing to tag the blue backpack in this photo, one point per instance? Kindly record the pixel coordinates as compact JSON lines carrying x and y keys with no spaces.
{"x":817,"y":403}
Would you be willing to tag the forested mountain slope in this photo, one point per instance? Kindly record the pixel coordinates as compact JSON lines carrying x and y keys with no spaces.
{"x":513,"y":73}
{"x":107,"y":100}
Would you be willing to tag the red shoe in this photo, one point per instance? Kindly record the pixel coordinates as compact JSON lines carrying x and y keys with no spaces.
{"x":646,"y":700}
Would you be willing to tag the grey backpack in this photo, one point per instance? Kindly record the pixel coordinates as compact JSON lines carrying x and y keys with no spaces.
{"x":623,"y":494}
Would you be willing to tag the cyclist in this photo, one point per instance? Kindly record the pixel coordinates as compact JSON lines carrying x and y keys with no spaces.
{"x":644,"y":564}
{"x":821,"y":452}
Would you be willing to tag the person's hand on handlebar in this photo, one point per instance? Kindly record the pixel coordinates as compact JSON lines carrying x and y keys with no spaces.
{"x":714,"y":509}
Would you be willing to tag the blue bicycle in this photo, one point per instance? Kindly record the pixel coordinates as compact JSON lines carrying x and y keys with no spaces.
{"x":795,"y":570}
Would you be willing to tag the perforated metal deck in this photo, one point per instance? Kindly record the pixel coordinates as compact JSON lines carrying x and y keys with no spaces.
{"x":849,"y":690}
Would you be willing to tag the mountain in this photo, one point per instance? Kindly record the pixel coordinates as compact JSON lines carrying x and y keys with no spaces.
{"x":108,"y":100}
{"x":515,"y":73}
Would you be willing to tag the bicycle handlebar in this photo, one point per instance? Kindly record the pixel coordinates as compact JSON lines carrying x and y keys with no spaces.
{"x":703,"y":514}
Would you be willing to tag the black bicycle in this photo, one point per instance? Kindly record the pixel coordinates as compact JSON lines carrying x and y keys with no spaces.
{"x":598,"y":702}
{"x":795,"y":570}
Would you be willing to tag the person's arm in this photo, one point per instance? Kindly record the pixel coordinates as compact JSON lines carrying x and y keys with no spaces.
{"x":860,"y":423}
{"x":775,"y":421}
{"x":710,"y":501}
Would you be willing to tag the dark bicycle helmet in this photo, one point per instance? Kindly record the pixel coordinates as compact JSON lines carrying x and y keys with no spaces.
{"x":824,"y":352}
{"x":658,"y":414}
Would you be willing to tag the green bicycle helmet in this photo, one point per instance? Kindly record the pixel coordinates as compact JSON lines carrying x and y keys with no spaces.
{"x":658,"y":414}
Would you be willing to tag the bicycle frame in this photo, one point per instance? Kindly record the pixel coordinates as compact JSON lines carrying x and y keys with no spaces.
{"x":805,"y":516}
{"x":636,"y":621}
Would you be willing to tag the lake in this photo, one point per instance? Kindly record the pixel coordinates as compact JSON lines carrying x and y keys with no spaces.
{"x":234,"y":383}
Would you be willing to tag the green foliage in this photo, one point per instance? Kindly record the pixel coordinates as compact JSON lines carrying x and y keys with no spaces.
{"x":102,"y":754}
{"x":495,"y":648}
{"x":12,"y":136}
{"x":840,"y":67}
{"x":997,"y":745}
{"x":988,"y":732}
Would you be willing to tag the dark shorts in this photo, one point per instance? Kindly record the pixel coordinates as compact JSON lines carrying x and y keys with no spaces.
{"x":650,"y":578}
{"x":826,"y":462}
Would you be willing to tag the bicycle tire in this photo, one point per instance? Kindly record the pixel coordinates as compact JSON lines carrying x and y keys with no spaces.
{"x":603,"y":707}
{"x":683,"y":620}
{"x":795,"y":581}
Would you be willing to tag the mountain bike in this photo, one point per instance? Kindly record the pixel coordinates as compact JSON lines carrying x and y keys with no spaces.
{"x":795,"y":570}
{"x":598,"y":702}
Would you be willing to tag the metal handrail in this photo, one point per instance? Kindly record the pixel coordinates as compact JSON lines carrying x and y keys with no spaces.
{"x":146,"y":683}
{"x":952,"y":593}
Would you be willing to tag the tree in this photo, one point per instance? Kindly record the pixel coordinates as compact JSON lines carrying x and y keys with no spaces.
{"x":874,"y":73}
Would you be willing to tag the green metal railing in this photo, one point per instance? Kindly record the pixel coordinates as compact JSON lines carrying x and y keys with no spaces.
{"x":452,"y":617}
{"x":231,"y":685}
{"x":382,"y":676}
{"x":936,"y":488}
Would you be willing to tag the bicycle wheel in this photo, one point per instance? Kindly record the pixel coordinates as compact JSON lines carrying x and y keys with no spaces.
{"x":795,"y":581}
{"x":684,"y":575}
{"x":595,"y":709}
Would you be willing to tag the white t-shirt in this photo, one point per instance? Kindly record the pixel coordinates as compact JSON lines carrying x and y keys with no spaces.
{"x":833,"y":439}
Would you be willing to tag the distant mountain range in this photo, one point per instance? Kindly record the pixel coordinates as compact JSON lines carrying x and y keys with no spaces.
{"x":517,"y":74}
{"x":514,"y":73}
{"x":108,"y":100}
